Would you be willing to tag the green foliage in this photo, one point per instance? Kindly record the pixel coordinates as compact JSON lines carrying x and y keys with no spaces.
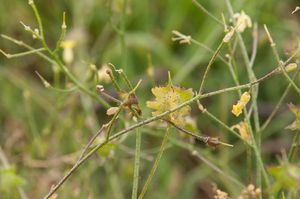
{"x":287,"y":176}
{"x":296,"y":124}
{"x":9,"y":181}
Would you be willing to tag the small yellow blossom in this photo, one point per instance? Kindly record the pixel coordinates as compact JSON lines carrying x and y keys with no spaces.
{"x":243,"y":130}
{"x":237,"y":109}
{"x":103,"y":76}
{"x":68,"y":55}
{"x":242,"y":20}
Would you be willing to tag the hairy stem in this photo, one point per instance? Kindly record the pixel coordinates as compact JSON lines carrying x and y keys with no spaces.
{"x":156,"y":162}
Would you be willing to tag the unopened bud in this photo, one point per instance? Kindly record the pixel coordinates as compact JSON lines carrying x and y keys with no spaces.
{"x":257,"y":191}
{"x":112,"y":110}
{"x":108,"y":71}
{"x":37,"y":31}
{"x":290,"y":67}
{"x":228,"y":36}
{"x":251,"y":187}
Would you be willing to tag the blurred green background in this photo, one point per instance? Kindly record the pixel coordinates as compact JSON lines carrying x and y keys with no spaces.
{"x":42,"y":132}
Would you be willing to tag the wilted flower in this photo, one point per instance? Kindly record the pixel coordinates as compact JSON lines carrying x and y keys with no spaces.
{"x":169,"y":97}
{"x":237,"y":109}
{"x":243,"y":130}
{"x":242,"y":20}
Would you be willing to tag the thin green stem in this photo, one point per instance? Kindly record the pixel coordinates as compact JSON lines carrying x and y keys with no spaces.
{"x":204,"y":139}
{"x":112,"y":121}
{"x":292,"y":57}
{"x":22,"y":54}
{"x":63,"y":27}
{"x":21,"y":43}
{"x":186,"y":131}
{"x":112,"y":78}
{"x":236,"y":78}
{"x":136,"y":164}
{"x":294,"y":147}
{"x":91,"y":142}
{"x":209,"y":65}
{"x":280,"y":64}
{"x":278,"y":104}
{"x":111,"y":23}
{"x":27,"y":28}
{"x":122,"y":36}
{"x":156,"y":162}
{"x":217,"y":169}
{"x":208,"y":49}
{"x":30,"y":116}
{"x":67,"y":73}
{"x":254,"y":44}
{"x":249,"y":164}
{"x":76,"y":82}
{"x":48,"y":85}
{"x":225,"y":126}
{"x":37,"y":17}
{"x":208,"y":13}
{"x":126,"y":79}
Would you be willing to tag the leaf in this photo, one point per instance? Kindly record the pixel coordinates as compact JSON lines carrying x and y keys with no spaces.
{"x":9,"y":180}
{"x":296,"y":124}
{"x":287,"y":176}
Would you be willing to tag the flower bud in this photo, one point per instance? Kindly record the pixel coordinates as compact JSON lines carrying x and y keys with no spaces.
{"x":290,"y":67}
{"x":257,"y":191}
{"x":228,"y":36}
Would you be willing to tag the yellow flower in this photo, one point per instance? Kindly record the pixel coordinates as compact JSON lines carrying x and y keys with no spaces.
{"x":242,"y":20}
{"x":68,"y":55}
{"x":237,"y":109}
{"x":169,"y":97}
{"x":243,"y":130}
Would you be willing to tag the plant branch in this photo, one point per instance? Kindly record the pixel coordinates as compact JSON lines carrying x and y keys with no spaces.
{"x":217,"y":169}
{"x":156,"y":162}
{"x":280,"y":63}
{"x":209,"y":65}
{"x":208,"y":13}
